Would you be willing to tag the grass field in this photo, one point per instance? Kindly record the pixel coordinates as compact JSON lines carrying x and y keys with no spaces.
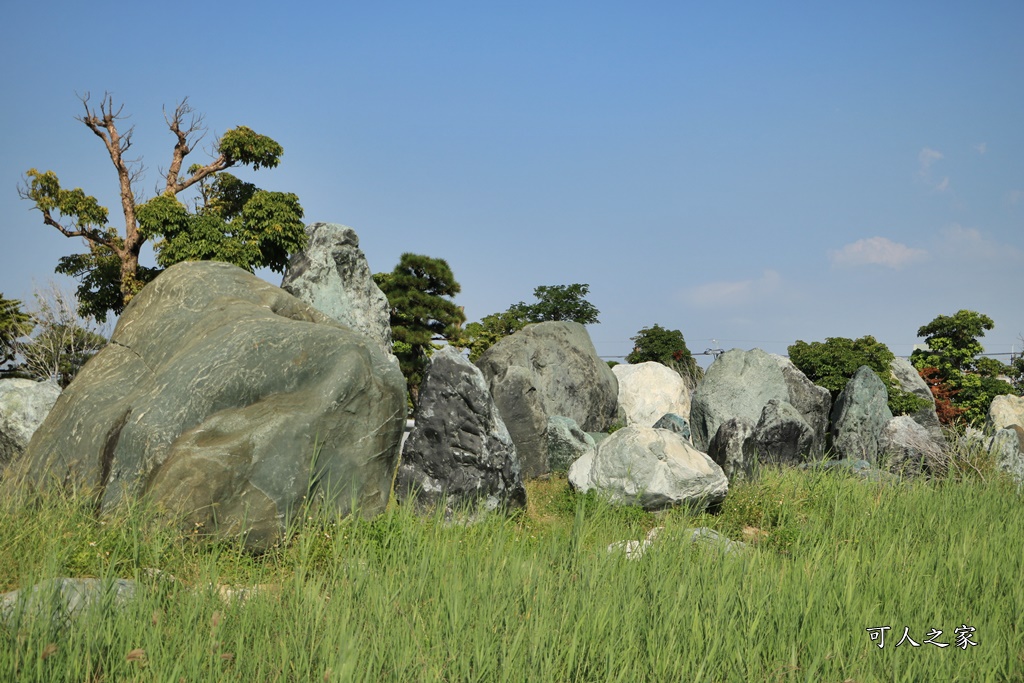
{"x":538,"y":597}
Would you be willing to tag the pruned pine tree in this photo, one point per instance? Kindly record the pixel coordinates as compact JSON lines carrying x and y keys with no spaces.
{"x":419,"y":292}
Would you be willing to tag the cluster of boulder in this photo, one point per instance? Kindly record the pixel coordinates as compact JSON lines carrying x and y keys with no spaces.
{"x":234,"y":404}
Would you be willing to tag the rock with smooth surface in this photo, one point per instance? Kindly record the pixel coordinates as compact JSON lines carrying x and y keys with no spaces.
{"x":653,"y":468}
{"x":459,"y":454}
{"x":331,"y":275}
{"x":1005,"y":411}
{"x":860,"y":412}
{"x":24,"y":405}
{"x":737,"y":385}
{"x":229,"y":400}
{"x":548,"y":369}
{"x":649,"y":390}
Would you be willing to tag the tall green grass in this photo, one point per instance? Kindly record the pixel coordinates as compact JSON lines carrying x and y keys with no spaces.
{"x":537,"y":597}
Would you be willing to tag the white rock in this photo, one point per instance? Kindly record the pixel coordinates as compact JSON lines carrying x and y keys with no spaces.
{"x":649,"y":390}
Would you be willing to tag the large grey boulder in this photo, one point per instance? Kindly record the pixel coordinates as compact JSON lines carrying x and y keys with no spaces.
{"x":737,"y":385}
{"x":732,"y":448}
{"x":910,"y":381}
{"x":24,"y":405}
{"x":781,"y":435}
{"x":860,"y":412}
{"x":230,"y":400}
{"x":1005,"y":411}
{"x":548,"y":369}
{"x":907,"y":448}
{"x":649,"y":390}
{"x":566,"y":442}
{"x":331,"y":275}
{"x":812,"y":402}
{"x":459,"y":454}
{"x":653,"y":468}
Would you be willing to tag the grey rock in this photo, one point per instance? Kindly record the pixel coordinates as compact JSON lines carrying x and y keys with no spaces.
{"x":548,"y":369}
{"x":459,"y":454}
{"x":910,"y":381}
{"x":62,"y":600}
{"x":782,"y":436}
{"x":858,"y":416}
{"x":649,"y":390}
{"x":812,"y":402}
{"x":732,"y":449}
{"x":331,"y":275}
{"x":566,"y":442}
{"x":674,"y":423}
{"x":1007,"y":446}
{"x":24,"y":405}
{"x":227,"y":398}
{"x":653,"y":468}
{"x":737,"y":385}
{"x":909,"y":449}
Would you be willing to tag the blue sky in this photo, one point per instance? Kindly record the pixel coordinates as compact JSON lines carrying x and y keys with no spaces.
{"x":754,"y":173}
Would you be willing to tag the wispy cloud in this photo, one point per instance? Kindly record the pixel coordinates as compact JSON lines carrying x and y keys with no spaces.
{"x":926,"y":158}
{"x":1014,"y":196}
{"x":733,"y":292}
{"x":878,"y":251}
{"x":981,"y":147}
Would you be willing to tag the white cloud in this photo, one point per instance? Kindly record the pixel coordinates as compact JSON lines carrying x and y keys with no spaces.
{"x":981,"y":147}
{"x":733,"y":292}
{"x":878,"y":251}
{"x":926,"y":157}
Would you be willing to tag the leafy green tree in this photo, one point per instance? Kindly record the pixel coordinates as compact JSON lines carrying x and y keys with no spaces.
{"x":554,"y":302}
{"x":668,"y":347}
{"x":480,"y":336}
{"x":235,"y":222}
{"x":418,"y":292}
{"x":559,"y":302}
{"x":954,"y":350}
{"x":832,"y":363}
{"x":14,"y":324}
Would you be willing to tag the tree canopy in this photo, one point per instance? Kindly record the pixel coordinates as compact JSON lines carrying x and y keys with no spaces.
{"x":953,"y":360}
{"x":832,"y":363}
{"x":234,"y":221}
{"x":668,"y":347}
{"x":554,"y":302}
{"x":418,"y":291}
